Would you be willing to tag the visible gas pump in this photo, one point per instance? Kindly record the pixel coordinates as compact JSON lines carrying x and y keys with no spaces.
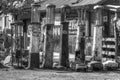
{"x":18,"y":28}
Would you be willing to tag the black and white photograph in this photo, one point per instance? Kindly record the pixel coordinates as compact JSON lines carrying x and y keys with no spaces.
{"x":59,"y":39}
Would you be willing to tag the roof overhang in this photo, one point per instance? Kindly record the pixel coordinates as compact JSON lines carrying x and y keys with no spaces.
{"x":115,"y":8}
{"x":86,"y":2}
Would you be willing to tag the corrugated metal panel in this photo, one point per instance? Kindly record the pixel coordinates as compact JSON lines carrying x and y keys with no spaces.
{"x":87,"y":2}
{"x":58,"y":3}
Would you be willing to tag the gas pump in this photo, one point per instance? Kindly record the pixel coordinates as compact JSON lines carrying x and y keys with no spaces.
{"x":18,"y":34}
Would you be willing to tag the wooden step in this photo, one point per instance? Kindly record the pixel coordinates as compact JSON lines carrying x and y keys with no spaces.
{"x":108,"y":53}
{"x":108,"y":46}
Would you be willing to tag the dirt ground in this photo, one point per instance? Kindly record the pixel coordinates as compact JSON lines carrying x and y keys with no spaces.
{"x":41,"y":74}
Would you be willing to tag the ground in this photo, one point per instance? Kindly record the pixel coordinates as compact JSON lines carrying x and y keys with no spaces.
{"x":41,"y":74}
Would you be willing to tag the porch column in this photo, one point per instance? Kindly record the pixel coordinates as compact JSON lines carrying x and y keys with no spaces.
{"x":97,"y":36}
{"x":64,"y":53}
{"x":116,"y":34}
{"x":49,"y":41}
{"x":35,"y":37}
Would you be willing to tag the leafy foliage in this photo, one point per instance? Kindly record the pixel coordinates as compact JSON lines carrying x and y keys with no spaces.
{"x":13,"y":6}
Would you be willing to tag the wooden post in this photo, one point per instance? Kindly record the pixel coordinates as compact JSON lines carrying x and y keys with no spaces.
{"x":49,"y":41}
{"x":35,"y":37}
{"x":116,"y":34}
{"x":64,"y":54}
{"x":97,"y":37}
